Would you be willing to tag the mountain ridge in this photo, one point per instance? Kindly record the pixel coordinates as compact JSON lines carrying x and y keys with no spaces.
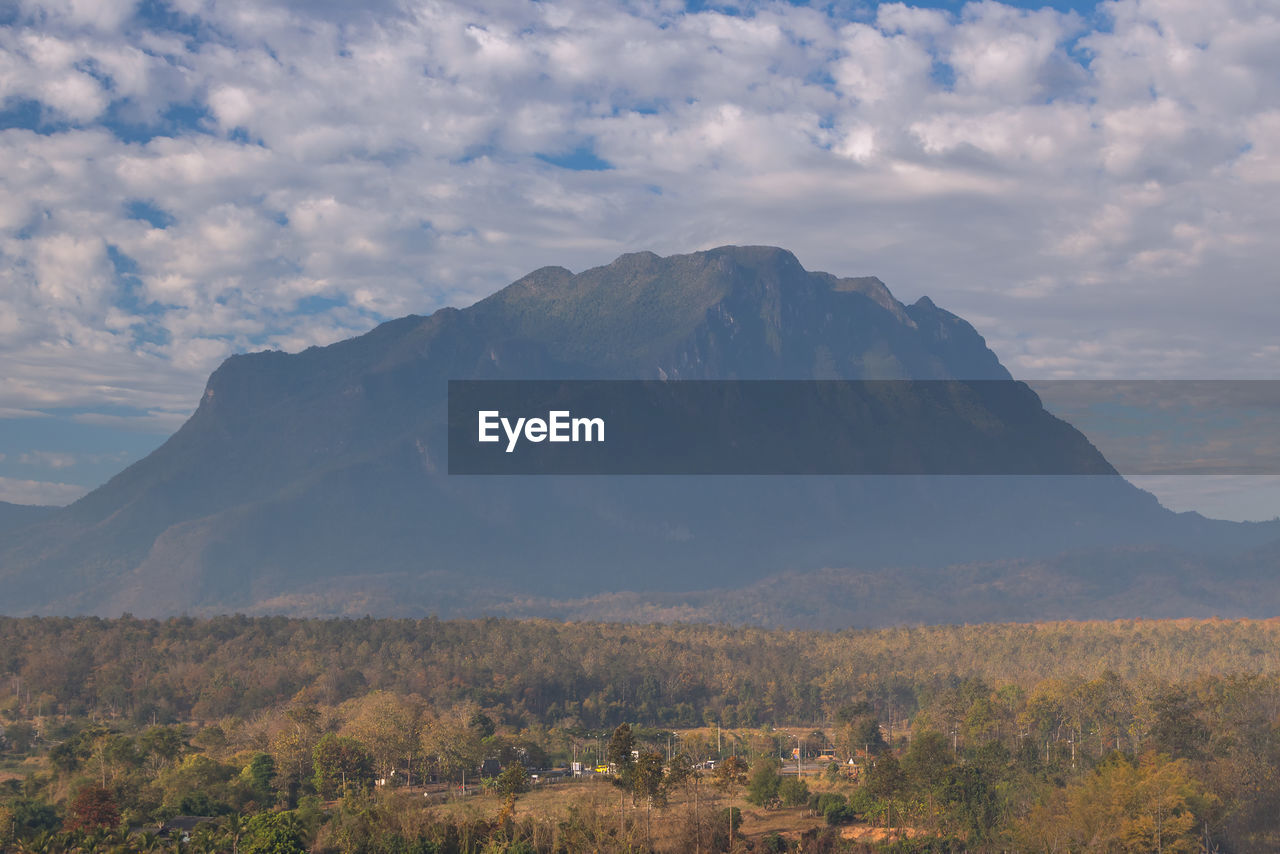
{"x":311,"y":468}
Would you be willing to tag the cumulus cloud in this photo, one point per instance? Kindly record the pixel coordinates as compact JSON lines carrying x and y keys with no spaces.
{"x":1098,"y":192}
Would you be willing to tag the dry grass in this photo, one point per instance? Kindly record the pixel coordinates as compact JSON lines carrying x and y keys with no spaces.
{"x":599,"y":802}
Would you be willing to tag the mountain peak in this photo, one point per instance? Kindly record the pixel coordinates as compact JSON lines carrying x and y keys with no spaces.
{"x":305,"y":471}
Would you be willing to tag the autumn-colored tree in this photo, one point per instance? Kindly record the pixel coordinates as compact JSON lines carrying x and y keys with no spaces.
{"x":730,"y":771}
{"x":1124,"y":806}
{"x":293,"y":742}
{"x":385,"y":723}
{"x":451,"y":742}
{"x":93,"y":808}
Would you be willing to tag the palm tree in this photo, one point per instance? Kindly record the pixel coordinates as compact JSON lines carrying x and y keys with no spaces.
{"x":232,"y":830}
{"x":206,"y":839}
{"x":147,"y":842}
{"x":43,"y":842}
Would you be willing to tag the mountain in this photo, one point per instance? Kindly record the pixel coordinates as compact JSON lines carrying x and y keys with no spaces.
{"x":15,"y":516}
{"x":315,"y":482}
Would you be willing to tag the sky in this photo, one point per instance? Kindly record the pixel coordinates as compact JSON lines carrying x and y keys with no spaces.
{"x":1093,"y":186}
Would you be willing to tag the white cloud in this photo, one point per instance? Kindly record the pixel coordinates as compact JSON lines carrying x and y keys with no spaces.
{"x":1244,"y":498}
{"x":17,"y":491}
{"x":1117,"y":191}
{"x":48,"y":459}
{"x":99,"y":14}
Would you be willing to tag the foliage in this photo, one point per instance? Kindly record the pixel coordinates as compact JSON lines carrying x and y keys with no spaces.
{"x":1004,"y":737}
{"x":731,"y":771}
{"x":774,"y":843}
{"x":650,"y":781}
{"x":1151,"y":804}
{"x":762,"y":785}
{"x":620,"y":752}
{"x":793,"y":792}
{"x":275,"y":833}
{"x":93,"y":808}
{"x":259,"y":776}
{"x":514,"y":780}
{"x":341,"y":764}
{"x":452,"y":740}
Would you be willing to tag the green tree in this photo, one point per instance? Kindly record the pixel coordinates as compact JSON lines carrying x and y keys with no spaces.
{"x":762,"y":785}
{"x":162,"y":744}
{"x":622,"y":745}
{"x":274,"y":833}
{"x":259,"y":776}
{"x":513,"y":781}
{"x":793,"y":792}
{"x":341,"y":763}
{"x":1177,"y":730}
{"x":650,"y":779}
{"x":885,"y":779}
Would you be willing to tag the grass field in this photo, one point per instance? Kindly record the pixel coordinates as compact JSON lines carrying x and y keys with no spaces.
{"x":598,"y":806}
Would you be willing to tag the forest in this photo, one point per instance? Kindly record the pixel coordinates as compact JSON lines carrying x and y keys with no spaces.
{"x":290,"y":735}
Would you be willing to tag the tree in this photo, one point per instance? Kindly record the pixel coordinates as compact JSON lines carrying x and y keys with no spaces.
{"x":293,"y":745}
{"x":650,"y":784}
{"x":275,"y":833}
{"x":163,"y":743}
{"x":793,"y":792}
{"x":727,"y":824}
{"x":729,"y":771}
{"x":341,"y":762}
{"x":93,"y":808}
{"x":619,"y":751}
{"x":927,"y":765}
{"x":622,"y":745}
{"x":385,"y":724}
{"x":259,"y":775}
{"x":885,"y":779}
{"x":927,"y":760}
{"x":513,"y":781}
{"x":452,"y":742}
{"x":1123,"y":806}
{"x":1177,"y":730}
{"x":762,"y":785}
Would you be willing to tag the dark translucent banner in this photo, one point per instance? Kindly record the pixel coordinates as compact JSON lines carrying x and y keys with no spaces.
{"x":864,"y":427}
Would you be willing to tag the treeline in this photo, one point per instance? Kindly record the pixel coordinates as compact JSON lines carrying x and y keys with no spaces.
{"x":597,"y":675}
{"x":321,"y":735}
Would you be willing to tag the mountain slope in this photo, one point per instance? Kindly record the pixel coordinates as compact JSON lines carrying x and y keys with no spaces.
{"x":324,"y":470}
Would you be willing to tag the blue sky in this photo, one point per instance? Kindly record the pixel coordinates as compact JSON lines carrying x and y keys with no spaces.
{"x":1091,"y":185}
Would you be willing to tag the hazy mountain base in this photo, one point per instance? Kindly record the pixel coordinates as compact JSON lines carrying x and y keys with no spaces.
{"x":1145,"y":583}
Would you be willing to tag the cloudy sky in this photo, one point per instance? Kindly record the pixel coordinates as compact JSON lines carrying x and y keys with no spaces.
{"x":1093,"y":186}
